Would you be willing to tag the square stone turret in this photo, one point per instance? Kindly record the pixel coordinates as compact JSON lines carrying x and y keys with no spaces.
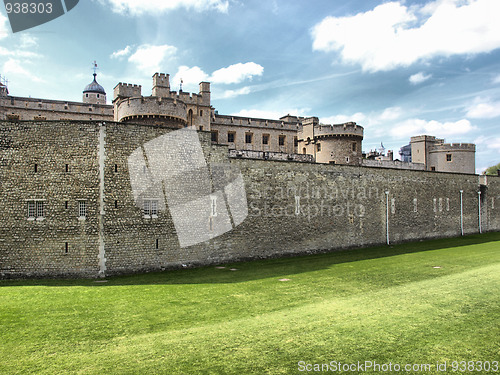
{"x":161,"y":85}
{"x":126,"y":90}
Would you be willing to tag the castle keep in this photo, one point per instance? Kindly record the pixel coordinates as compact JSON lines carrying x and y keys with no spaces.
{"x":162,"y":181}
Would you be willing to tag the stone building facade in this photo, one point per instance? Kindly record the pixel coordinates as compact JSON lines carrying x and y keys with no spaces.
{"x":290,"y":135}
{"x":436,"y":155}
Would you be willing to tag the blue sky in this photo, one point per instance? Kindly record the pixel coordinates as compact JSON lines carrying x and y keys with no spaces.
{"x":398,"y":68}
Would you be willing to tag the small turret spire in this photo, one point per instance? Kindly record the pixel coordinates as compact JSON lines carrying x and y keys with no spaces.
{"x":95,"y":68}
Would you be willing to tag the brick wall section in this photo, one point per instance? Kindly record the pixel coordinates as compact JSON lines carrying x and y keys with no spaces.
{"x":293,"y":207}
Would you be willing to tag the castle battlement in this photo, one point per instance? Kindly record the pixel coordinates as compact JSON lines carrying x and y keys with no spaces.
{"x":250,"y":122}
{"x":126,"y":90}
{"x":339,"y":130}
{"x":449,"y":147}
{"x":348,"y":129}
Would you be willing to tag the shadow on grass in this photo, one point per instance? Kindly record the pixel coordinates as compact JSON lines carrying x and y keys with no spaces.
{"x":261,"y":269}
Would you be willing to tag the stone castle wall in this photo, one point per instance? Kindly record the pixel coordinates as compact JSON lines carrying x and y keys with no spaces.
{"x":293,"y":208}
{"x":55,"y":163}
{"x":31,"y":109}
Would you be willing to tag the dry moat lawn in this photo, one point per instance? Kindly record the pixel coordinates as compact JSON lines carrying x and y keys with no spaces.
{"x":419,"y":303}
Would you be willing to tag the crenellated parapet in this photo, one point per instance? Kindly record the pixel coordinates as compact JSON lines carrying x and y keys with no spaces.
{"x":349,"y":129}
{"x":126,"y":90}
{"x":453,"y":147}
{"x":249,"y":122}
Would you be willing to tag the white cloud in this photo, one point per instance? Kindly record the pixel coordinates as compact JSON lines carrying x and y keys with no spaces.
{"x":191,"y":77}
{"x":483,"y":108}
{"x":18,"y":53}
{"x":390,"y":114}
{"x":28,"y":41}
{"x":139,"y":7}
{"x":234,"y":93}
{"x":366,"y":120}
{"x":14,"y":67}
{"x":237,"y":73}
{"x":271,"y":114}
{"x":149,"y":58}
{"x":414,"y":126}
{"x":420,"y":77}
{"x":496,"y":79}
{"x":358,"y":118}
{"x":4,"y":29}
{"x":394,"y":35}
{"x":233,"y":74}
{"x":121,"y":53}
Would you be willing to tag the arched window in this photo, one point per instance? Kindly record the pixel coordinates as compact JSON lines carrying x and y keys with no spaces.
{"x":190,"y":118}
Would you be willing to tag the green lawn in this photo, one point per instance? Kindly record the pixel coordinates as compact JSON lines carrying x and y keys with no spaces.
{"x":383,"y":304}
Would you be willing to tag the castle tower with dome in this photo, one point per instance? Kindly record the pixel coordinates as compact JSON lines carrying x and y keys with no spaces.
{"x":94,"y":93}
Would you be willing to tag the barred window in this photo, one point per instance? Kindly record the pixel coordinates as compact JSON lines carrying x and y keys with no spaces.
{"x":150,"y":207}
{"x":154,"y":207}
{"x":36,"y":209}
{"x":31,"y":209}
{"x":82,"y":209}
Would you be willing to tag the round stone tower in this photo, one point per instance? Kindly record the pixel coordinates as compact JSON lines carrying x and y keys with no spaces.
{"x":163,"y":107}
{"x":334,"y":144}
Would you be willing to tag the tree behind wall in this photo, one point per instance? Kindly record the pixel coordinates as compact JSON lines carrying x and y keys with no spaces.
{"x":492,"y":171}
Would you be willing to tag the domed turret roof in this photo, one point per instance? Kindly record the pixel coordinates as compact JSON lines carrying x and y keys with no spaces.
{"x":94,"y":87}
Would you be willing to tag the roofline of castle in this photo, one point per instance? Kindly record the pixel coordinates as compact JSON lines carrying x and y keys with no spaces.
{"x":56,"y":101}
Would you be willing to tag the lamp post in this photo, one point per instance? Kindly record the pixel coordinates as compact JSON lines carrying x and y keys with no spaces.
{"x":387,"y":216}
{"x":462,"y":212}
{"x":479,"y":210}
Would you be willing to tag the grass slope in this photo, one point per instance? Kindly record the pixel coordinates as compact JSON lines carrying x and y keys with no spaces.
{"x":384,"y":304}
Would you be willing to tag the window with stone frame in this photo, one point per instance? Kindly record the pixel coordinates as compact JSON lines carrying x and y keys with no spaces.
{"x":230,"y":137}
{"x":215,"y":136}
{"x":36,"y":209}
{"x":82,"y":209}
{"x":281,"y":140}
{"x":150,"y":207}
{"x":248,"y":137}
{"x":265,"y":139}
